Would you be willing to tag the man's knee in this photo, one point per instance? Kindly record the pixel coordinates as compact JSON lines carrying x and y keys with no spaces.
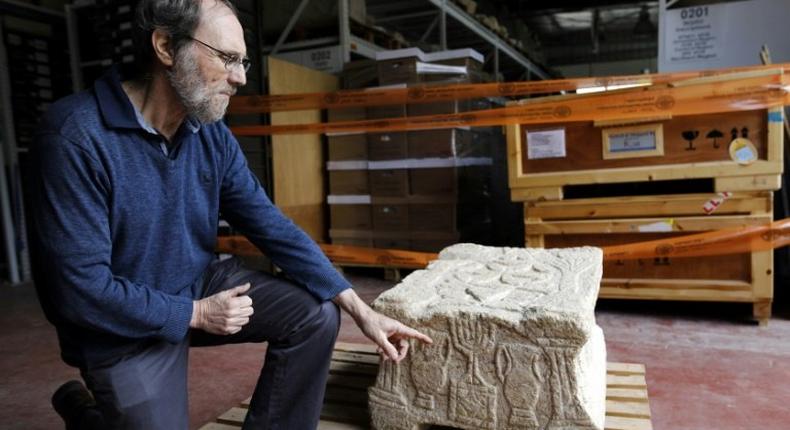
{"x":330,"y":317}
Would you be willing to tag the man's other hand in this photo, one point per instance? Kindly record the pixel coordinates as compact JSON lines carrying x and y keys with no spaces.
{"x":223,"y":313}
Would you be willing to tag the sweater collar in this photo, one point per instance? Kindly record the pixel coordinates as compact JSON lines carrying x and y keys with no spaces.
{"x":118,"y":111}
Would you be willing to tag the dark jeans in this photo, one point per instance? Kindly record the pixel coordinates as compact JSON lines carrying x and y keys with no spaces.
{"x":148,"y":390}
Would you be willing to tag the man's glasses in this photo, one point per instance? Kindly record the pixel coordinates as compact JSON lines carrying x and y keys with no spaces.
{"x":230,"y":60}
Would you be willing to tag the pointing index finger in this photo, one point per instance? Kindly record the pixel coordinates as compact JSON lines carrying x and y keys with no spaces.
{"x":410,"y":332}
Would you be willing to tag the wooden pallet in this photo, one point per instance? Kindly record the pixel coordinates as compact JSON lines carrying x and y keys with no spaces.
{"x":354,"y":368}
{"x":743,"y":278}
{"x":390,"y":273}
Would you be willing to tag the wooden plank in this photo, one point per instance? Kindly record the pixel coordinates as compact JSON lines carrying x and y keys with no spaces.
{"x":647,"y":174}
{"x":646,"y":225}
{"x":332,"y":425}
{"x":626,"y":395}
{"x":776,"y":134}
{"x":748,"y":183}
{"x":358,"y":348}
{"x":298,"y":160}
{"x":659,"y":293}
{"x":762,"y":312}
{"x":674,"y":284}
{"x":234,"y":416}
{"x":335,"y":394}
{"x":536,"y":194}
{"x":353,"y":368}
{"x":625,"y":369}
{"x":514,"y":165}
{"x":218,"y":426}
{"x":345,"y":413}
{"x":623,"y":423}
{"x":350,"y":381}
{"x":648,"y":206}
{"x":627,"y":409}
{"x":625,"y":381}
{"x":762,"y":275}
{"x":356,"y":357}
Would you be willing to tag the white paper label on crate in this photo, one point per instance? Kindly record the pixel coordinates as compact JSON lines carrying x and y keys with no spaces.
{"x":694,"y":34}
{"x":657,"y":227}
{"x":546,"y":144}
{"x":632,"y":141}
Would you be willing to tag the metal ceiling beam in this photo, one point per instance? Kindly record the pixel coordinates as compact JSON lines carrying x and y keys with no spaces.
{"x":443,"y":25}
{"x":489,"y":36}
{"x":363,"y":47}
{"x":344,"y":28}
{"x":302,"y":44}
{"x":406,"y":16}
{"x":291,"y":22}
{"x":559,"y":6}
{"x":429,"y":30}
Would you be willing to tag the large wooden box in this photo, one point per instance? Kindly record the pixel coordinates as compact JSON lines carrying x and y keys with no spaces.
{"x":618,"y":220}
{"x":688,"y":147}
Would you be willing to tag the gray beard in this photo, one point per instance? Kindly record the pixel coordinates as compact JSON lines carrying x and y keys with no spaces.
{"x":192,"y":90}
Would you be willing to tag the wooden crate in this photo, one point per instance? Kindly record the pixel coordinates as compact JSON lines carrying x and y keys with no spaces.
{"x":585,"y":163}
{"x":612,"y":221}
{"x":354,"y":368}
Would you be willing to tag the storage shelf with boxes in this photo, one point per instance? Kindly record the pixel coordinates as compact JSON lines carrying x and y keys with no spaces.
{"x":659,"y":183}
{"x":419,"y":190}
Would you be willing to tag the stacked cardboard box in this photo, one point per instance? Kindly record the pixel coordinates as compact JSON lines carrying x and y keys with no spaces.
{"x":419,"y":190}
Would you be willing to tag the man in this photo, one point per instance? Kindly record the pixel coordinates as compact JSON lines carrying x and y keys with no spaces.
{"x":129,"y":181}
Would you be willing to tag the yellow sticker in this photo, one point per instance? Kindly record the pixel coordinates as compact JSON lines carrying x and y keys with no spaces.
{"x":743,"y":151}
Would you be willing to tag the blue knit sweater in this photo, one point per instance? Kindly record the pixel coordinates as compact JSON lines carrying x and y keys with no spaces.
{"x":123,"y":228}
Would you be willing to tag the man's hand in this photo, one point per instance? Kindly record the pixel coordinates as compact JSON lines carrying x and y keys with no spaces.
{"x":391,"y":336}
{"x":223,"y":313}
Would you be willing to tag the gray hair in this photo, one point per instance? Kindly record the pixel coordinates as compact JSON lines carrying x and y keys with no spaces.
{"x":178,"y":18}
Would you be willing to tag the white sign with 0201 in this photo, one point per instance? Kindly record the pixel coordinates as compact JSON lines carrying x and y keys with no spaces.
{"x":694,"y":34}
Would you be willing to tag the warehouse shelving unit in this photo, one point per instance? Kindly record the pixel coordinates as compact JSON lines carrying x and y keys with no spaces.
{"x":32,"y":54}
{"x":455,"y":28}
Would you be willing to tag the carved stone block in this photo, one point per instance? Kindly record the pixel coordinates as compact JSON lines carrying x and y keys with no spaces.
{"x":516,"y":345}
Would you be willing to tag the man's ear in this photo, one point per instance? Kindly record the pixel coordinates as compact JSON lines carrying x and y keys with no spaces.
{"x":162,"y":47}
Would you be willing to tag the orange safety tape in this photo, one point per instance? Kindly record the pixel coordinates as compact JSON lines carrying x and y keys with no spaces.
{"x":341,"y":254}
{"x":735,"y":240}
{"x":728,"y":94}
{"x":430,"y":93}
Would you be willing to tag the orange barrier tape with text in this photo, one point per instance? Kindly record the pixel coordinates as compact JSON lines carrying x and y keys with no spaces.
{"x":734,"y":240}
{"x":341,"y":254}
{"x":718,"y":242}
{"x":738,"y":92}
{"x":427,"y":93}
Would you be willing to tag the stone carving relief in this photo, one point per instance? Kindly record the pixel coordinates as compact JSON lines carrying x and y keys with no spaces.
{"x":520,"y":371}
{"x":429,"y":368}
{"x":499,"y":360}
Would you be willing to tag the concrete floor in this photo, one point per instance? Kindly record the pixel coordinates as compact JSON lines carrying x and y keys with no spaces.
{"x":708,"y":367}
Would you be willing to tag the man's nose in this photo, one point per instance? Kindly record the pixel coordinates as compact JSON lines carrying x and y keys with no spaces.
{"x":237,"y":76}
